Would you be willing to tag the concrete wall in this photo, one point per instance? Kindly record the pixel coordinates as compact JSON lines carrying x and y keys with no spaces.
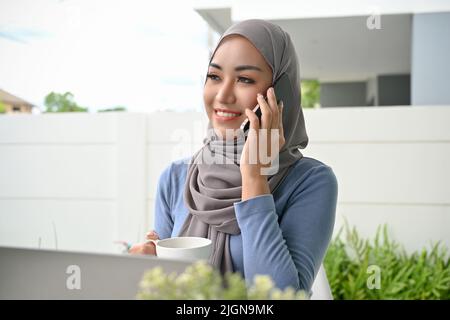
{"x":382,"y":90}
{"x":82,"y":181}
{"x":394,"y":90}
{"x":341,"y":94}
{"x":430,"y":68}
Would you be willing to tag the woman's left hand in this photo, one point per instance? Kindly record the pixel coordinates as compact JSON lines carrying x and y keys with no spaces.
{"x":261,"y":147}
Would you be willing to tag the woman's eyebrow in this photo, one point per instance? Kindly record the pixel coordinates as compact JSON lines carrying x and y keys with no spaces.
{"x":238,"y":68}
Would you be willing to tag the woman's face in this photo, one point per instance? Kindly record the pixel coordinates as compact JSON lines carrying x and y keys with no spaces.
{"x":236,"y":74}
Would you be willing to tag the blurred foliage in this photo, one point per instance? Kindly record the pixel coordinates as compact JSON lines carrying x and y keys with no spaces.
{"x":420,"y":275}
{"x":2,"y":107}
{"x":57,"y":102}
{"x":310,"y":90}
{"x":201,"y":281}
{"x":114,"y":109}
{"x":349,"y":263}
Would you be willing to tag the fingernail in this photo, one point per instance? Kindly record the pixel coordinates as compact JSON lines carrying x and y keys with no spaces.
{"x":259,"y":95}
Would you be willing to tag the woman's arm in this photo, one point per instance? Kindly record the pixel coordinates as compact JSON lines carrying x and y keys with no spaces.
{"x":292,"y":249}
{"x":163,"y":218}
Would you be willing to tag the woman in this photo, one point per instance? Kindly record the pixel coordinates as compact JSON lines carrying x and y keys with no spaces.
{"x":278,"y":224}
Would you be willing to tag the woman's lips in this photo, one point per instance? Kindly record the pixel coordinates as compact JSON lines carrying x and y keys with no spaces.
{"x":221,"y":118}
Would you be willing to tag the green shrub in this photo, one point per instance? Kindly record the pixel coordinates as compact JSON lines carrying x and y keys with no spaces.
{"x":310,"y":90}
{"x":424,"y":275}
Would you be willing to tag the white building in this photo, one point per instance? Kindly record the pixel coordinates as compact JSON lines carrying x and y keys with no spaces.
{"x":364,"y":53}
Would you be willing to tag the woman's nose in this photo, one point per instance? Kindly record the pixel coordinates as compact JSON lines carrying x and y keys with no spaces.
{"x":226,"y":94}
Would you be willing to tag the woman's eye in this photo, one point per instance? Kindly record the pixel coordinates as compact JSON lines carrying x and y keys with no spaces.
{"x":212,"y":76}
{"x":245,"y":80}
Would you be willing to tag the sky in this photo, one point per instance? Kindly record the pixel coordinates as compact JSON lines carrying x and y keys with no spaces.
{"x":130,"y":53}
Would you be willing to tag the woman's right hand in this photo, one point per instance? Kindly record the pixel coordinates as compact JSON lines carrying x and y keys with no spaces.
{"x":147,"y":247}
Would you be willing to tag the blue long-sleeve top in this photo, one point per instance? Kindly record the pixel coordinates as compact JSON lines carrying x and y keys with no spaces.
{"x":284,"y":234}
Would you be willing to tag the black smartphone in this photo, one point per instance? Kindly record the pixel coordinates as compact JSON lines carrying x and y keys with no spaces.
{"x":282,"y":92}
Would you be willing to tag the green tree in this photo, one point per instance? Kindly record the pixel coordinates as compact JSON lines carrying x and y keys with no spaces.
{"x":57,"y":102}
{"x":116,"y":109}
{"x":310,"y":93}
{"x":2,"y":107}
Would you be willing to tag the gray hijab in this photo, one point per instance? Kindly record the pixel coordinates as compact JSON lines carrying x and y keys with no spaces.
{"x":213,"y":182}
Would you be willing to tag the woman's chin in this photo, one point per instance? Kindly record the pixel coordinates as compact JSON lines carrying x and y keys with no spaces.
{"x":226,"y":132}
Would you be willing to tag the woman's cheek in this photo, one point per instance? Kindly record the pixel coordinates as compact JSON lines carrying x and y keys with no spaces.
{"x":252,"y":103}
{"x":208,"y":106}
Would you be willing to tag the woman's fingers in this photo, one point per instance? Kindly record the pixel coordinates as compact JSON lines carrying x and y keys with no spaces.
{"x":282,"y":139}
{"x":274,"y":107}
{"x":152,"y":235}
{"x":248,"y":154}
{"x":143,"y":248}
{"x":149,"y":248}
{"x":266,"y":118}
{"x":254,"y":121}
{"x":136,"y":248}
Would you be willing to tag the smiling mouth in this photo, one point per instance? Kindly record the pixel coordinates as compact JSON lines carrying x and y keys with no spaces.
{"x":227,"y":115}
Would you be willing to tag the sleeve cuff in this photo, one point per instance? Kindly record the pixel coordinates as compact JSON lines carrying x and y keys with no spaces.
{"x":258,"y":204}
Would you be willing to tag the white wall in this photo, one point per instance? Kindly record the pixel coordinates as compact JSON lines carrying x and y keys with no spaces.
{"x":91,"y":178}
{"x":392,"y":167}
{"x":83,"y":181}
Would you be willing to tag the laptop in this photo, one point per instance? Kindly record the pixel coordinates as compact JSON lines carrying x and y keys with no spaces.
{"x":53,"y":274}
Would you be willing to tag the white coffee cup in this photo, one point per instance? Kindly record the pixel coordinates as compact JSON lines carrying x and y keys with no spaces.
{"x":183,"y":248}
